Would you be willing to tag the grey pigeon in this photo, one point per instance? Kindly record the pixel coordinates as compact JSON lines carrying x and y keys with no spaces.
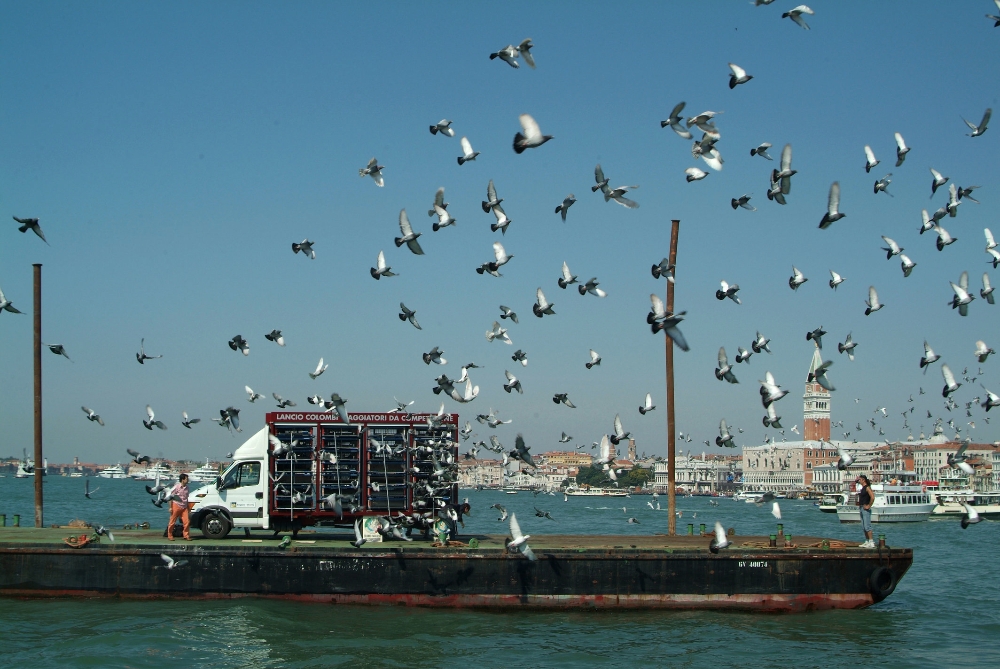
{"x":31,"y":224}
{"x":408,"y":236}
{"x":409,"y":315}
{"x":532,"y":136}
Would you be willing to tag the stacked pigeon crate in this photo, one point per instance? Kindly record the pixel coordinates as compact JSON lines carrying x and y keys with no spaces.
{"x":340,"y":463}
{"x":388,"y":462}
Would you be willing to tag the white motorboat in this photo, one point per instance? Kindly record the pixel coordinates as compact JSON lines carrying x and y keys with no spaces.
{"x":204,"y":474}
{"x":829,"y":503}
{"x":113,"y":472}
{"x":902,"y":500}
{"x":596,"y":492}
{"x":951,"y":504}
{"x":152,"y":472}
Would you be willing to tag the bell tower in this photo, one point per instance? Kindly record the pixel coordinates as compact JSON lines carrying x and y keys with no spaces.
{"x":815,"y":406}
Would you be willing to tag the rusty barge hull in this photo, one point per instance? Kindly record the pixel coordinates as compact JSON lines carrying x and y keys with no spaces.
{"x":571,"y":572}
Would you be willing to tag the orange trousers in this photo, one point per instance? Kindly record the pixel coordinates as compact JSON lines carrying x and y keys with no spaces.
{"x":179,"y":511}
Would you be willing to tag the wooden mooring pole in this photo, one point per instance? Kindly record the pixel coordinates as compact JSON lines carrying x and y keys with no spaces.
{"x":671,"y":424}
{"x":39,"y":459}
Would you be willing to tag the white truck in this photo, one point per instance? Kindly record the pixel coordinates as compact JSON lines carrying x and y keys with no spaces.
{"x":311,"y":468}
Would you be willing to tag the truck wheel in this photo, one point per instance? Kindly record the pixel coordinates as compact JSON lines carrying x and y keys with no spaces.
{"x":881,"y":583}
{"x":215,"y":526}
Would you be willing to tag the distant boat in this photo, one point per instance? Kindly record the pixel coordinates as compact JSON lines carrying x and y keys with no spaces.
{"x":204,"y":474}
{"x":597,"y":492}
{"x":114,"y":472}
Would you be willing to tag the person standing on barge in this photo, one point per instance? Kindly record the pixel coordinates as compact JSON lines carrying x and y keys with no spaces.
{"x":866,"y":497}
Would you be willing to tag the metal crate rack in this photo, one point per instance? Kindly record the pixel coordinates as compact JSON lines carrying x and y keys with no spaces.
{"x":388,"y":468}
{"x":294,"y":472}
{"x":340,"y":464}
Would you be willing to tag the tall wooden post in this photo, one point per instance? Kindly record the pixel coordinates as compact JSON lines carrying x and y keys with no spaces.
{"x":39,"y":459}
{"x":671,"y":424}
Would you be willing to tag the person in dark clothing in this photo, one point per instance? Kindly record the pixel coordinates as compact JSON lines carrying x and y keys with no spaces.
{"x":866,"y":497}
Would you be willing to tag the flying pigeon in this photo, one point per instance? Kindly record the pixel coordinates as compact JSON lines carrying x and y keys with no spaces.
{"x":901,"y":149}
{"x":938,"y":181}
{"x":320,"y":368}
{"x":982,"y":351}
{"x":796,"y":15}
{"x":833,"y":213}
{"x":743,"y":355}
{"x":659,"y":319}
{"x":987,"y":291}
{"x":620,"y":434}
{"x":872,"y":303}
{"x":567,"y":278}
{"x":816,"y":336}
{"x":251,"y":395}
{"x":929,"y":356}
{"x":729,"y":291}
{"x":140,"y":356}
{"x":238,"y":343}
{"x":444,"y":219}
{"x":725,"y":439}
{"x":518,"y":541}
{"x":724,"y":370}
{"x":962,"y":297}
{"x":502,"y":221}
{"x":524,"y":49}
{"x":950,"y":385}
{"x":870,"y":159}
{"x":695,"y":174}
{"x":742,"y":201}
{"x":408,"y":236}
{"x":882,"y":185}
{"x":819,"y":376}
{"x":563,"y":398}
{"x":434,"y":355}
{"x":848,"y":347}
{"x":305,"y":247}
{"x":906,"y":264}
{"x":444,"y":127}
{"x":566,"y":204}
{"x":796,"y":279}
{"x":91,"y":416}
{"x":532,"y":137}
{"x":761,"y":150}
{"x":491,"y":193}
{"x":150,"y":421}
{"x":497,"y":332}
{"x":58,"y":349}
{"x":188,"y":422}
{"x":508,"y":54}
{"x":647,"y":405}
{"x":381,"y":269}
{"x":467,"y":152}
{"x":770,"y":391}
{"x":676,"y":121}
{"x":521,"y":357}
{"x":663,"y":268}
{"x":760,"y":343}
{"x":275,"y":336}
{"x":512,"y":383}
{"x":591,"y":287}
{"x":542,"y":306}
{"x":771,"y":418}
{"x":373,"y":170}
{"x":409,"y":315}
{"x":835,"y":279}
{"x":32,"y":224}
{"x":977,"y":130}
{"x":738,"y":76}
{"x":595,"y":359}
{"x":784,"y":175}
{"x":845,"y":459}
{"x":893,"y":249}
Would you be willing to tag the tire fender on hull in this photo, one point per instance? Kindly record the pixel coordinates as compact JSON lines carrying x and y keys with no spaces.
{"x":882,"y":582}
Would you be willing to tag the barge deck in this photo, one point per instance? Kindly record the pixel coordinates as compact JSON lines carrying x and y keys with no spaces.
{"x":572,"y":571}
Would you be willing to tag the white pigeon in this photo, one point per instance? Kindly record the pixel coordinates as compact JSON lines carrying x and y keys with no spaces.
{"x":882,"y":185}
{"x":870,"y":159}
{"x":491,"y":193}
{"x":776,"y":511}
{"x":508,"y":54}
{"x":93,"y":416}
{"x":990,"y":243}
{"x":729,"y":291}
{"x":467,"y":152}
{"x":977,"y":130}
{"x":524,"y":49}
{"x":848,"y":346}
{"x":950,"y":385}
{"x":438,"y":200}
{"x":595,"y":359}
{"x":835,"y":279}
{"x":845,"y":459}
{"x":532,"y":136}
{"x":497,"y":332}
{"x":320,"y":368}
{"x":408,"y":236}
{"x":796,"y":13}
{"x":380,"y":269}
{"x":901,"y":149}
{"x":929,"y":356}
{"x":502,"y":220}
{"x":982,"y":351}
{"x":720,"y":540}
{"x":373,"y":170}
{"x":518,"y":540}
{"x":251,"y":395}
{"x":694,"y":174}
{"x":647,"y":405}
{"x":872,"y":303}
{"x":542,"y":306}
{"x":444,"y":127}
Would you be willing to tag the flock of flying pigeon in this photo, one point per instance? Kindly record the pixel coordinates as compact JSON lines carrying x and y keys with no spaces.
{"x":705,"y":148}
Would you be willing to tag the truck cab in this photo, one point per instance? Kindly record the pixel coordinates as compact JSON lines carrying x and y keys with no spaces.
{"x":238,"y":498}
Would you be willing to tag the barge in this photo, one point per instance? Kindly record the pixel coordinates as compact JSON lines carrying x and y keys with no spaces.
{"x":617,"y":572}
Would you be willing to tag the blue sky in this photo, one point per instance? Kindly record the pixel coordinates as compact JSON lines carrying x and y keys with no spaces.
{"x":174,"y":152}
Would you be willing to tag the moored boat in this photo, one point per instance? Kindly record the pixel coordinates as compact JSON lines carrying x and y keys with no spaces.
{"x":113,"y":472}
{"x":901,"y":500}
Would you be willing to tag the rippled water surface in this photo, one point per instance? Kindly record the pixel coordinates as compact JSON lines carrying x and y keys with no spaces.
{"x":944,"y":612}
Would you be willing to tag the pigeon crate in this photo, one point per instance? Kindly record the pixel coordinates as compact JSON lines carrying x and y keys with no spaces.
{"x":377,"y":465}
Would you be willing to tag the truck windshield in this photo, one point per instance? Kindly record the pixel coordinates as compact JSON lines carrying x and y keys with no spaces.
{"x":244,"y":474}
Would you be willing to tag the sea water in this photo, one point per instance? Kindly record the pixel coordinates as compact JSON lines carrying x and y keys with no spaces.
{"x":944,"y":613}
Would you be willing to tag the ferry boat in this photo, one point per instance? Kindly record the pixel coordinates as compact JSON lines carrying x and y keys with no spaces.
{"x":76,"y":475}
{"x":596,"y":492}
{"x":952,"y":504}
{"x":902,"y":500}
{"x":114,"y":472}
{"x":204,"y":474}
{"x":748,"y":496}
{"x":829,"y":503}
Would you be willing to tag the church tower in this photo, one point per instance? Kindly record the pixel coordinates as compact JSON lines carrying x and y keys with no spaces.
{"x":815,"y":406}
